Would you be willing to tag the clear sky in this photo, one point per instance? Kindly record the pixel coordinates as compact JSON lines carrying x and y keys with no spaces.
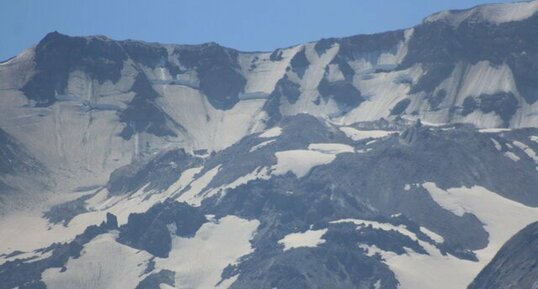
{"x":242,"y":24}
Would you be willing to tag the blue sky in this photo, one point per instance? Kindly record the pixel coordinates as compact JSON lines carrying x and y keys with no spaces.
{"x":242,"y":24}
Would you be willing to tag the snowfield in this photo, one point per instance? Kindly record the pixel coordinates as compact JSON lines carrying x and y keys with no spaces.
{"x":123,"y":268}
{"x":300,"y":162}
{"x":310,"y":238}
{"x":199,"y":261}
{"x":502,"y":218}
{"x":358,"y":135}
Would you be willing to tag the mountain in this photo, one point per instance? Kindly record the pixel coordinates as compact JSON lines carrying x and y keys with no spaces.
{"x":515,"y":266}
{"x":404,"y":159}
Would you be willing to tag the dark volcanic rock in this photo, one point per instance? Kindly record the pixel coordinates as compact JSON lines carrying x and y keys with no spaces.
{"x":218,"y":71}
{"x":344,"y":94}
{"x":286,"y":88}
{"x":57,"y":55}
{"x":299,"y":63}
{"x":438,"y":46}
{"x":151,"y":231}
{"x":504,"y":104}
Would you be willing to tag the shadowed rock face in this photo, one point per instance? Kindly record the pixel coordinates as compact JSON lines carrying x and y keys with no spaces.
{"x":355,"y":47}
{"x":151,"y":231}
{"x":299,"y":63}
{"x":515,"y":266}
{"x":149,"y":54}
{"x":103,"y":59}
{"x":344,"y":93}
{"x":217,"y":69}
{"x":504,"y":104}
{"x":439,"y":46}
{"x":58,"y":55}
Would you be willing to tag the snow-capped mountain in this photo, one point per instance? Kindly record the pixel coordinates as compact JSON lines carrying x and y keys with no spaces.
{"x":403,"y":159}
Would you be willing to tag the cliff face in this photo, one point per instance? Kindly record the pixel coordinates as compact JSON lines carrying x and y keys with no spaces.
{"x":119,"y":100}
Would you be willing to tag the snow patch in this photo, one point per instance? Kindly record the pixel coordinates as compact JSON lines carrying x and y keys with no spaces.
{"x":527,"y":150}
{"x":382,"y":91}
{"x":493,"y":130}
{"x":502,"y":218}
{"x":415,"y":270}
{"x":192,"y":194}
{"x":496,"y":144}
{"x":512,"y":156}
{"x":272,"y":132}
{"x":96,"y":269}
{"x":140,"y":201}
{"x":260,"y":173}
{"x":30,"y":256}
{"x":261,"y":145}
{"x":300,"y":162}
{"x":485,"y":78}
{"x":27,"y":231}
{"x":310,"y":238}
{"x":331,"y":148}
{"x":379,"y":226}
{"x":199,"y":261}
{"x":261,"y":73}
{"x":358,"y":135}
{"x":201,"y":126}
{"x":434,"y":236}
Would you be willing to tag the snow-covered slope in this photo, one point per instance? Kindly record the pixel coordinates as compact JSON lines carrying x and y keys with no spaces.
{"x":493,"y":13}
{"x":439,"y":200}
{"x":85,"y":106}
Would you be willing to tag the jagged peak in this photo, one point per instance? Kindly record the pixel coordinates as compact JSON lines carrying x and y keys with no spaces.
{"x":57,"y":36}
{"x":497,"y":13}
